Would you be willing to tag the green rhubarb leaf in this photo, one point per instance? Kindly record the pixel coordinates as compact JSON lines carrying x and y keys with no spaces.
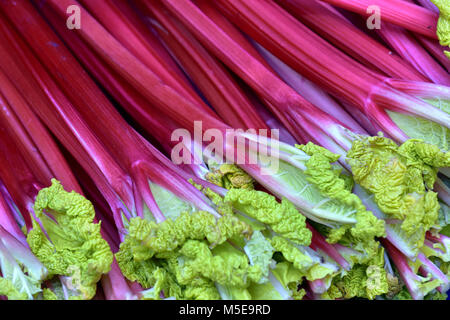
{"x":426,"y":130}
{"x":48,"y":294}
{"x":290,"y":278}
{"x":292,"y":175}
{"x":332,"y":183}
{"x":152,"y":238}
{"x":444,"y":219}
{"x":443,"y":27}
{"x":264,"y":291}
{"x":394,"y":286}
{"x":224,"y":265}
{"x":9,"y":289}
{"x":185,"y":257}
{"x":282,"y":217}
{"x":203,"y":289}
{"x":70,"y":244}
{"x":400,"y":178}
{"x":366,"y":280}
{"x":304,"y":260}
{"x":230,"y":176}
{"x":168,"y":203}
{"x":436,"y":295}
{"x":134,"y":265}
{"x":300,"y":260}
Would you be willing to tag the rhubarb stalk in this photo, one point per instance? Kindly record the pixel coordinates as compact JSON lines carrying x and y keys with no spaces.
{"x":350,"y":39}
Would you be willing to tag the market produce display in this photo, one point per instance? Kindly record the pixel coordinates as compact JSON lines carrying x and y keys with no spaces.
{"x":224,"y":149}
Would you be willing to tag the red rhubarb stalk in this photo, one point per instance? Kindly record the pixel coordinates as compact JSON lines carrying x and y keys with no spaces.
{"x":208,"y":74}
{"x":226,"y":26}
{"x":144,"y":45}
{"x":310,"y":91}
{"x":142,"y":162}
{"x":350,"y":39}
{"x":297,"y":114}
{"x":436,"y":50}
{"x":84,"y":146}
{"x":137,"y":75}
{"x":317,"y":60}
{"x":31,"y":135}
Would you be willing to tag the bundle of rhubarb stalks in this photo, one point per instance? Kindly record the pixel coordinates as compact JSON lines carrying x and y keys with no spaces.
{"x":224,"y":149}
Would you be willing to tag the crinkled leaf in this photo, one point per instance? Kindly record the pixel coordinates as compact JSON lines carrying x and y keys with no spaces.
{"x":230,"y":176}
{"x":224,"y":264}
{"x":363,"y":280}
{"x":399,"y":178}
{"x":331,"y":182}
{"x":305,"y":260}
{"x":176,"y":257}
{"x":275,"y":290}
{"x":443,"y":27}
{"x":282,"y":217}
{"x":170,"y":234}
{"x":74,"y":247}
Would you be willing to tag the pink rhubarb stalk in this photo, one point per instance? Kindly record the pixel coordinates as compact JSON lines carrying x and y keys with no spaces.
{"x":409,"y":48}
{"x":417,"y":286}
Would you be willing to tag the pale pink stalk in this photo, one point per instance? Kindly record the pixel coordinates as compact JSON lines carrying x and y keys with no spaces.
{"x":116,"y":287}
{"x":318,"y":286}
{"x":429,"y":268}
{"x":8,"y":222}
{"x":417,"y":286}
